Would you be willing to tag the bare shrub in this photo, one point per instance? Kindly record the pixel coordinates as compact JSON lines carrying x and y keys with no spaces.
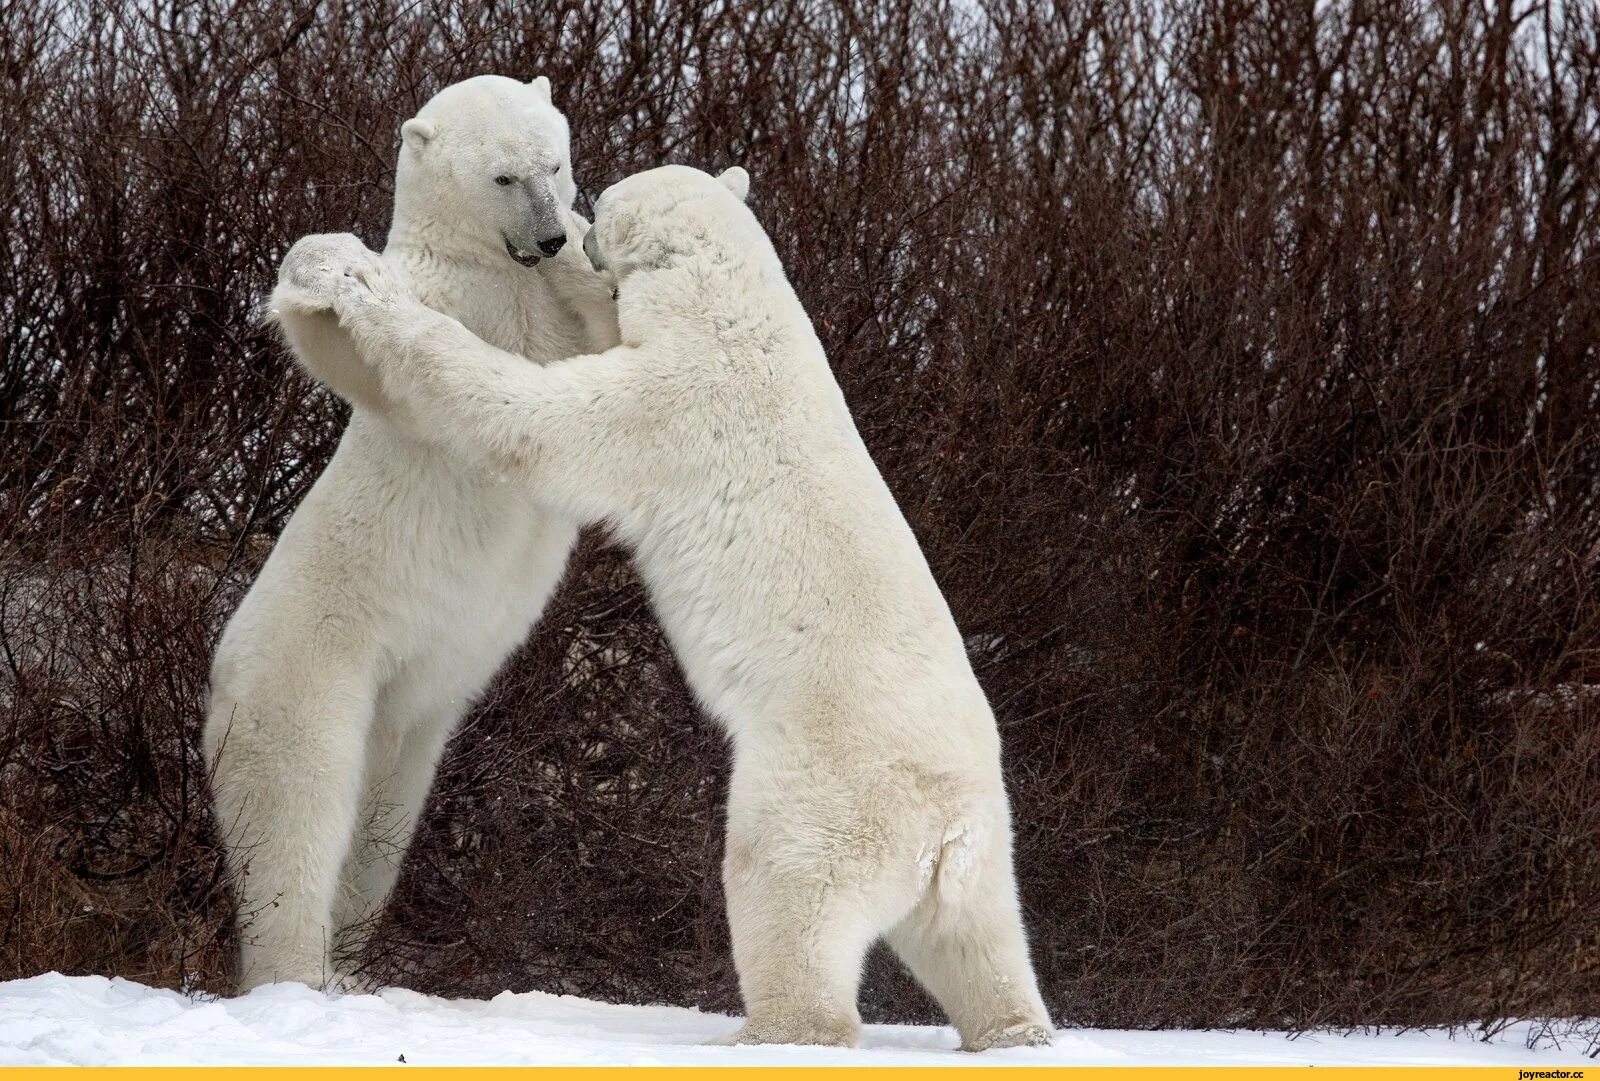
{"x":1236,"y":366}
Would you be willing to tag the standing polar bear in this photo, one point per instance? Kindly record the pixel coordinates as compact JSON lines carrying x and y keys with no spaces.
{"x":408,"y":573}
{"x":866,"y":798}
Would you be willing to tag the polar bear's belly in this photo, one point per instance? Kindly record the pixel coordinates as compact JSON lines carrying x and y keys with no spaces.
{"x":471,"y":565}
{"x":434,"y":571}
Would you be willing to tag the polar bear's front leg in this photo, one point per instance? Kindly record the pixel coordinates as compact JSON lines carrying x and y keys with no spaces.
{"x":301,"y":306}
{"x":585,"y":431}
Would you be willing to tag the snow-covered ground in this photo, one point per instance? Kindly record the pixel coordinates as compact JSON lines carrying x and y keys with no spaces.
{"x":56,"y":1019}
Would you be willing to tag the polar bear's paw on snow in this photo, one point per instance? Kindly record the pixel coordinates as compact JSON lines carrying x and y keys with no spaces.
{"x":802,"y":1027}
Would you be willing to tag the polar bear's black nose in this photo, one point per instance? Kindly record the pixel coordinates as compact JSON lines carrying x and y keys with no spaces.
{"x":553,"y":245}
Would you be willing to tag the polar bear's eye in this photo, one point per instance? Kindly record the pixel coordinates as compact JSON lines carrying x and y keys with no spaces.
{"x":503,"y":181}
{"x":555,"y":169}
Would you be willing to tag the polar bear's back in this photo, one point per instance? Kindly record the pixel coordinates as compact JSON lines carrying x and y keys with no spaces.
{"x":800,"y":585}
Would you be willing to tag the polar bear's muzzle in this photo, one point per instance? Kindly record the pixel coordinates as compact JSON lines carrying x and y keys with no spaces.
{"x":591,"y":248}
{"x":547,"y":247}
{"x":526,"y":258}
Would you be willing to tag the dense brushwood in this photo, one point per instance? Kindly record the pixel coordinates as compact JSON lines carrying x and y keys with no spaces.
{"x":1235,"y":364}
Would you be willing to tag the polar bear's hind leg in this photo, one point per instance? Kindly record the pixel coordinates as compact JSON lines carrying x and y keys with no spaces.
{"x":818,"y":867}
{"x":964,"y":942}
{"x":401,"y":761}
{"x":798,"y":945}
{"x":286,"y":793}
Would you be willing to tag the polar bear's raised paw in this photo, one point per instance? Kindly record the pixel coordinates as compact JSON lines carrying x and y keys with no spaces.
{"x":333,"y":268}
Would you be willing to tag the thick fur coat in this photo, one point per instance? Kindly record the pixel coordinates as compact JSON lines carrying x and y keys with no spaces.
{"x":409,"y":572}
{"x":866,"y":798}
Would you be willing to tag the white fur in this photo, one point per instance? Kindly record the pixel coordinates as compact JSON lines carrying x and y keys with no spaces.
{"x":408,"y":573}
{"x":866,"y":798}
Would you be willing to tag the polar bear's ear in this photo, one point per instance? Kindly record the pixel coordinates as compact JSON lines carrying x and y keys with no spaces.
{"x":541,"y":87}
{"x":418,"y":132}
{"x":737,"y":181}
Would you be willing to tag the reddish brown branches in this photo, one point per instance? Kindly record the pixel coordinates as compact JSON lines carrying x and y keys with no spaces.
{"x":1236,"y":367}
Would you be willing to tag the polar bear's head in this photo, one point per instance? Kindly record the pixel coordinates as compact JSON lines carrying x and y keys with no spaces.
{"x":490,"y":158}
{"x":651,"y":219}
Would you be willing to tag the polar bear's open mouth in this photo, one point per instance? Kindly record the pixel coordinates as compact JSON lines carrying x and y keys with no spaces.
{"x":525,"y":258}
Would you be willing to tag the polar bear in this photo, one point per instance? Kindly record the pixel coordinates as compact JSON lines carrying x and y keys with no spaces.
{"x":408,"y":574}
{"x":866,"y":799}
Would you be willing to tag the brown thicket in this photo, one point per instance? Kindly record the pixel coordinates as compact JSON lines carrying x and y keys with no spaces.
{"x":1235,"y":363}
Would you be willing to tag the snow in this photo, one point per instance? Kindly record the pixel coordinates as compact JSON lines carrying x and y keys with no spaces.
{"x":65,"y":1020}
